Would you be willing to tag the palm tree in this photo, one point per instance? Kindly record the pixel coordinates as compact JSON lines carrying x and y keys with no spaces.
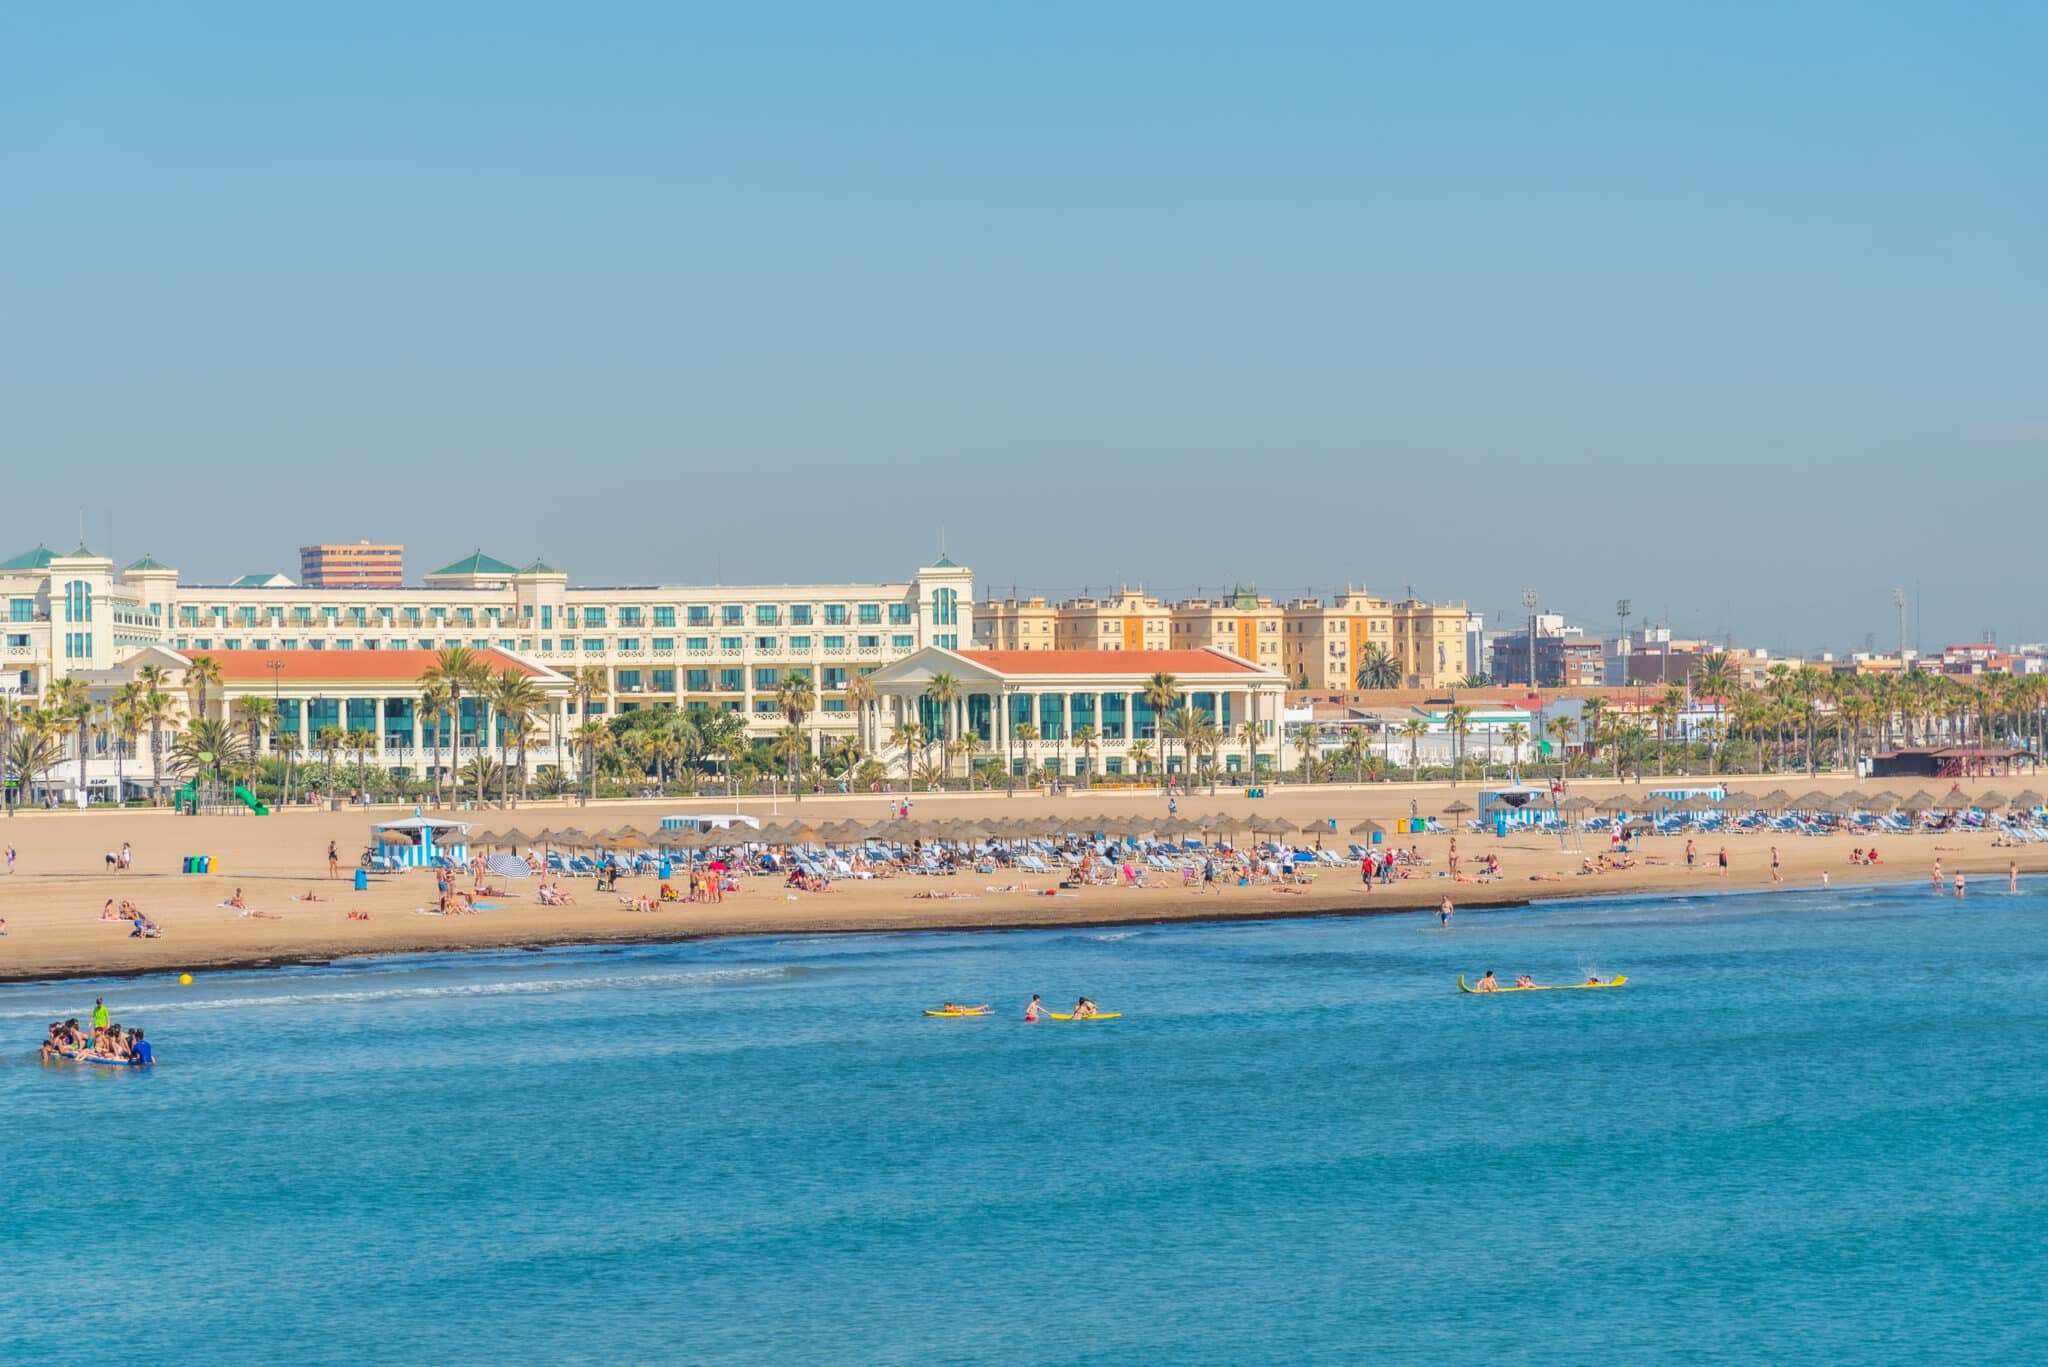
{"x":1140,"y":753}
{"x":1377,"y":668}
{"x":907,"y":736}
{"x":360,"y":742}
{"x":1354,"y":751}
{"x":1086,"y":737}
{"x":1481,"y":680}
{"x":1562,"y":728}
{"x":287,"y":744}
{"x":33,"y":750}
{"x":257,"y":716}
{"x":156,"y":710}
{"x":592,"y":737}
{"x":969,"y":746}
{"x":515,"y":698}
{"x":1310,"y":745}
{"x":860,"y":698}
{"x":458,"y":670}
{"x":790,"y":746}
{"x":327,"y":743}
{"x":1714,"y":677}
{"x":70,"y":702}
{"x":1458,"y":720}
{"x":200,"y":675}
{"x":1162,"y":694}
{"x":433,"y":711}
{"x":208,"y":749}
{"x":1186,"y":726}
{"x":1516,"y":734}
{"x":1249,"y":734}
{"x":943,"y":689}
{"x":794,"y":699}
{"x":1412,"y":731}
{"x":1025,"y":733}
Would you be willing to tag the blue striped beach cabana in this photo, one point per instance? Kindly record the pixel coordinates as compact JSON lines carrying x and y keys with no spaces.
{"x":432,"y":838}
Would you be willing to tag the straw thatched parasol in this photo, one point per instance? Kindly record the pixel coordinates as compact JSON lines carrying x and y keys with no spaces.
{"x":1843,"y":804}
{"x":1775,"y":798}
{"x":1457,"y":808}
{"x":1367,"y":827}
{"x":1571,"y":804}
{"x":1919,"y":801}
{"x":1955,"y":800}
{"x":2026,"y":797}
{"x":1992,"y":801}
{"x":1883,"y":801}
{"x":395,"y":838}
{"x":514,"y":838}
{"x":1810,"y":802}
{"x":484,"y":840}
{"x":1615,"y":805}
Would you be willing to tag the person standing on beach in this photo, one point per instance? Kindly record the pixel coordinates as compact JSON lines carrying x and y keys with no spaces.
{"x":10,"y":859}
{"x":1452,"y":858}
{"x":1723,"y":857}
{"x":1365,"y":871}
{"x":1775,"y":879}
{"x":127,"y":857}
{"x":333,"y":861}
{"x":1690,"y":854}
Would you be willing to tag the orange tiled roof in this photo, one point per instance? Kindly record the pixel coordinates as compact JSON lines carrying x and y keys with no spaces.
{"x":343,"y":666}
{"x":1107,"y":662}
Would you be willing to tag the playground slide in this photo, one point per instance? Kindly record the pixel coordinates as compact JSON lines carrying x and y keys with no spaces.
{"x":249,"y":799}
{"x":188,"y":800}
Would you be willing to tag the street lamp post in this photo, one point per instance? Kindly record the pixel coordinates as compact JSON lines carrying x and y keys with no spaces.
{"x":276,"y":667}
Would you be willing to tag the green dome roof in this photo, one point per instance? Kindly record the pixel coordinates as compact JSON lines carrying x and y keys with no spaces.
{"x":478,"y":563}
{"x":37,"y":559}
{"x":148,"y":562}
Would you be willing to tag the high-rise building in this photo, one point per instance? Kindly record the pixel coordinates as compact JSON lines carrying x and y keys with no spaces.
{"x":352,"y":565}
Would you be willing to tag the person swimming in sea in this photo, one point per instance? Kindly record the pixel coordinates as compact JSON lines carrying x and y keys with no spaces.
{"x":1487,"y":982}
{"x":1033,"y":1010}
{"x":1525,"y":981}
{"x":1083,"y":1009}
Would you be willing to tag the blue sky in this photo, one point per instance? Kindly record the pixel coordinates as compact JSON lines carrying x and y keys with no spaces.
{"x":1735,"y":311}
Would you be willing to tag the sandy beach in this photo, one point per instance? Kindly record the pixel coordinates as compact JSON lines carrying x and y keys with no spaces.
{"x":52,"y":902}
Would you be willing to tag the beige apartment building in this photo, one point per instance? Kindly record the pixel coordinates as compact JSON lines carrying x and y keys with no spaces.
{"x":1242,"y":623}
{"x":1325,"y":645}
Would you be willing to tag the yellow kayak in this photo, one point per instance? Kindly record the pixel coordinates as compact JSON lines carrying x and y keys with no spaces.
{"x":1098,"y":1016}
{"x":970,"y":1011}
{"x":1541,"y":987}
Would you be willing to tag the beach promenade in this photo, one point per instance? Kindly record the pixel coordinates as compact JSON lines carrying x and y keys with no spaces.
{"x":53,"y":901}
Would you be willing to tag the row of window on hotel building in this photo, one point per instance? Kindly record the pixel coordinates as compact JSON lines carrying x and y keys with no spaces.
{"x":593,"y":645}
{"x":764,"y":615}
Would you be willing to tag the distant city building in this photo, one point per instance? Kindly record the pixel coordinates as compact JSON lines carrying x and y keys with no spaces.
{"x":355,"y":565}
{"x":1564,"y":657}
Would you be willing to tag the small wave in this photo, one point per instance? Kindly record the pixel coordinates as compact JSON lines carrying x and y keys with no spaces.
{"x":525,"y":987}
{"x":1113,"y":937}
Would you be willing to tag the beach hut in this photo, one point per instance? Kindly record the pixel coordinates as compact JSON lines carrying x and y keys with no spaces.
{"x":427,"y":838}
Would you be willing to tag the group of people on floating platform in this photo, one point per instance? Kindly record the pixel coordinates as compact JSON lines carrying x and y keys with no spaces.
{"x":1488,"y":983}
{"x":106,"y":1041}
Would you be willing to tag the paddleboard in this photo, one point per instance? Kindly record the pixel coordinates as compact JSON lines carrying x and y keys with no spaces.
{"x":1541,"y":987}
{"x":1102,"y":1016}
{"x":978,"y":1011}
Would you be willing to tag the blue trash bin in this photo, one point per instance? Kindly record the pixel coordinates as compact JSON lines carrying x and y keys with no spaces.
{"x":362,"y":880}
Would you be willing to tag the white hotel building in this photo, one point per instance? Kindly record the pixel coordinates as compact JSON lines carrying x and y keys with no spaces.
{"x":78,"y":615}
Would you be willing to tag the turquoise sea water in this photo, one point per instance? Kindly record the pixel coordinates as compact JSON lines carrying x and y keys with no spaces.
{"x":1814,"y":1128}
